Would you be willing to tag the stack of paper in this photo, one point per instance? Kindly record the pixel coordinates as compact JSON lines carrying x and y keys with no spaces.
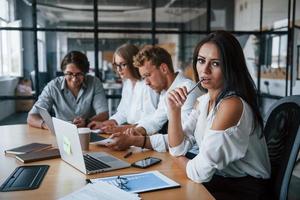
{"x":100,"y":190}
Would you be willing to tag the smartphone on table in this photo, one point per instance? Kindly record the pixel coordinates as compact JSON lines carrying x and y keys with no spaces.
{"x":147,"y":162}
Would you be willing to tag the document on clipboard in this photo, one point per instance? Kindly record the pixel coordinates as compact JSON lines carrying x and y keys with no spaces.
{"x":140,"y":182}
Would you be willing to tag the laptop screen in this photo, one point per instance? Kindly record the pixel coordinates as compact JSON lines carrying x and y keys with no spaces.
{"x":46,"y":117}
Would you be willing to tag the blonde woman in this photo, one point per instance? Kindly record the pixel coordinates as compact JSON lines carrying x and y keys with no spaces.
{"x":138,"y":100}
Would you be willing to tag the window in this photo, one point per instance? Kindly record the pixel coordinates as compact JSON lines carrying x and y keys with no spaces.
{"x":279,"y":51}
{"x":42,"y":51}
{"x":4,"y":9}
{"x":11,"y":63}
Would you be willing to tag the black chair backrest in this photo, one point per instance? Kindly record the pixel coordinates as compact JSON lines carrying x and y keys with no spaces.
{"x":44,"y":78}
{"x":59,"y":73}
{"x":282,"y":135}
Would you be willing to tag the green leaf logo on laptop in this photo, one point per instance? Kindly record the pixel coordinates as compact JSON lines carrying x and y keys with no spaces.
{"x":67,"y":145}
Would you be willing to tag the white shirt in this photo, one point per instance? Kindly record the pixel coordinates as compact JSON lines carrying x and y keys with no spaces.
{"x":138,"y":101}
{"x":156,"y":121}
{"x":235,"y":152}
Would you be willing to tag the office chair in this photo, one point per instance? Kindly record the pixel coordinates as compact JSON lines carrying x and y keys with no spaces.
{"x":59,"y":73}
{"x":282,"y":135}
{"x":44,"y":78}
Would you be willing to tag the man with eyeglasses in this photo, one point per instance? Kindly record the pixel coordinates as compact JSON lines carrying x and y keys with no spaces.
{"x":74,"y":97}
{"x":156,"y":68}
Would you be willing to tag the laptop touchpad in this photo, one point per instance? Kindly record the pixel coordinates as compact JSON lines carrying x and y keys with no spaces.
{"x":106,"y":158}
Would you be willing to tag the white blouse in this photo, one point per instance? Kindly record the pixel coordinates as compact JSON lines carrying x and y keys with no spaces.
{"x":138,"y":101}
{"x":235,"y":152}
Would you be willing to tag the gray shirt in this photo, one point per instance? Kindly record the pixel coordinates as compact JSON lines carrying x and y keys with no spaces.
{"x":91,"y":99}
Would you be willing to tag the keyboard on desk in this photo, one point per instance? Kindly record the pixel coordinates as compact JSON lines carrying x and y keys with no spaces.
{"x":93,"y":164}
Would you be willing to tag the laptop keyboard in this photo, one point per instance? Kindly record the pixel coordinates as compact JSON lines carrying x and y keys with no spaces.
{"x":93,"y":164}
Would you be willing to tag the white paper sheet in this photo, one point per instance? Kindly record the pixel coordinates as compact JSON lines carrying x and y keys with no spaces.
{"x":100,"y":190}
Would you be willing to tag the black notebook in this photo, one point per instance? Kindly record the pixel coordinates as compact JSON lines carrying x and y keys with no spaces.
{"x":38,"y":155}
{"x":28,"y":148}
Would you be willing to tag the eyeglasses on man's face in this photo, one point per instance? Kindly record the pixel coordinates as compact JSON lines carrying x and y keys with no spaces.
{"x":70,"y":75}
{"x":120,"y":66}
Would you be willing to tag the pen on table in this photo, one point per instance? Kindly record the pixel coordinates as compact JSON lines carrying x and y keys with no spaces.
{"x":128,"y":154}
{"x":198,"y":83}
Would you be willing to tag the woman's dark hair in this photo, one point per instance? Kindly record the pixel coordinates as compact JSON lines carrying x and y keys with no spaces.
{"x":127,"y":52}
{"x":77,"y":58}
{"x":237,"y":78}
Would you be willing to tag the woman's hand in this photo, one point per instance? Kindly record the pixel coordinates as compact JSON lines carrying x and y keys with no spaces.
{"x":176,"y":98}
{"x":116,"y":129}
{"x":136,"y":131}
{"x":109,"y":126}
{"x":175,"y":101}
{"x":106,"y":126}
{"x":121,"y":141}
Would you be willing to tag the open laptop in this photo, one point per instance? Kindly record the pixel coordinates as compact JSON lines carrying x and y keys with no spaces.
{"x":48,"y":120}
{"x":70,"y":150}
{"x":46,"y":117}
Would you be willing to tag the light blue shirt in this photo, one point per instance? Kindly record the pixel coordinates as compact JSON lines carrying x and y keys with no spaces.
{"x":91,"y":99}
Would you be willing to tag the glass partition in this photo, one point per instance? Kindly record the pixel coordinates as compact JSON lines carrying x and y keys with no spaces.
{"x":247,"y":15}
{"x":65,"y":14}
{"x":273,"y":65}
{"x":297,"y":14}
{"x":275,"y":15}
{"x":222,"y":15}
{"x":186,"y":15}
{"x":126,"y":15}
{"x":16,"y":14}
